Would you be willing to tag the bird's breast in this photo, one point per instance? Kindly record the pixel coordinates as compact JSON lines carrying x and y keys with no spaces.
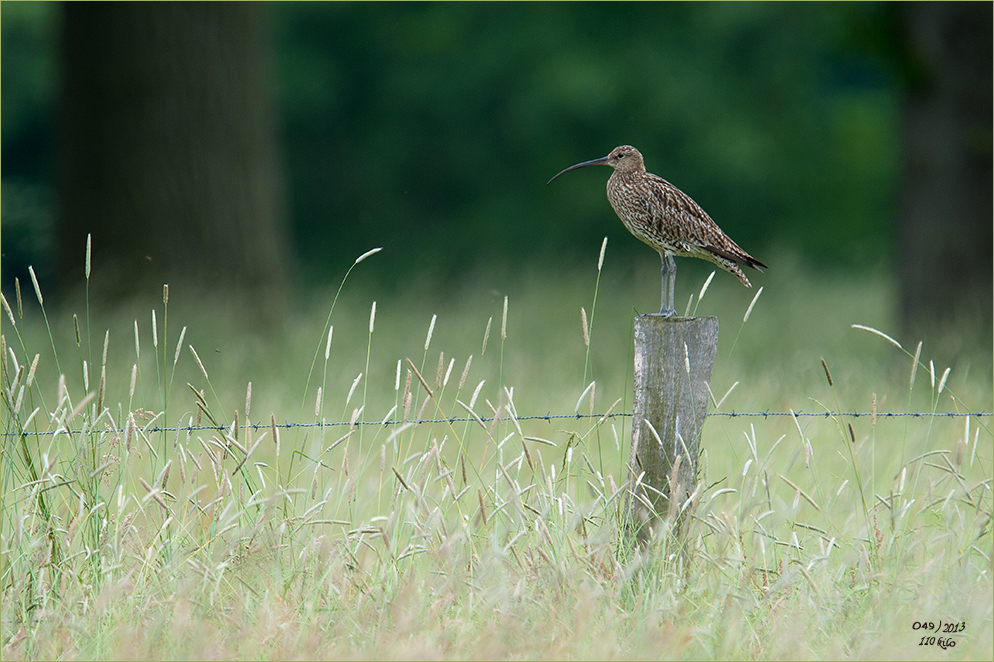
{"x":633,"y":205}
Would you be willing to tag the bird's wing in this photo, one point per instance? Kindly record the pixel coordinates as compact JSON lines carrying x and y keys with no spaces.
{"x":683,"y":219}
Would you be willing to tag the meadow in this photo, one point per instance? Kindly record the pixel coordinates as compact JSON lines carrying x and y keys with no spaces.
{"x":440,"y":473}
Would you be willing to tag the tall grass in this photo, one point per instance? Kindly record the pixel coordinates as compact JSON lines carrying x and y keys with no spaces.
{"x":394,"y":530}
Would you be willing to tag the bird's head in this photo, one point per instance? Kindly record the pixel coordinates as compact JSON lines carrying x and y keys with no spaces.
{"x":623,"y":158}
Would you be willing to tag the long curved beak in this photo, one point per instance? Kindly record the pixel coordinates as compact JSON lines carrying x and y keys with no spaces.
{"x":600,"y":161}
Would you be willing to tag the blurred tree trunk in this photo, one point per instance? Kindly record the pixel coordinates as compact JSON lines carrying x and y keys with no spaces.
{"x":946,"y":215}
{"x":168,"y":154}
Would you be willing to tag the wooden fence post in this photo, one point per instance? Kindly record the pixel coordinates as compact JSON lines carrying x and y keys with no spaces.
{"x":673,"y":361}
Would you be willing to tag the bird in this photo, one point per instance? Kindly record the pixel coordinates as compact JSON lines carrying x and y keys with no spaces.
{"x":667,"y":219}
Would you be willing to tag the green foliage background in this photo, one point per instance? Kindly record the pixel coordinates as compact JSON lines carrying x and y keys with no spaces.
{"x":431,"y":129}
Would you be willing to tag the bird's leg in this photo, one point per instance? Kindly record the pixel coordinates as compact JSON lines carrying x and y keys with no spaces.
{"x":669,"y":267}
{"x":671,"y":263}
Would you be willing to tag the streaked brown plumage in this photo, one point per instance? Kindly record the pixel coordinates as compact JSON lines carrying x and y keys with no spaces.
{"x":666,"y":218}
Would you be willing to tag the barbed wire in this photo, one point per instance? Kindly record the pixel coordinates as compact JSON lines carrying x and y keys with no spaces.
{"x":488,"y":419}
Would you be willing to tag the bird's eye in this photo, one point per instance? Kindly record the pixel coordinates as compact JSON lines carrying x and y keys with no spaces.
{"x":621,"y":156}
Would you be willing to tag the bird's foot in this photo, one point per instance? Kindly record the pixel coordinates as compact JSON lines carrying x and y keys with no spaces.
{"x":665,"y":312}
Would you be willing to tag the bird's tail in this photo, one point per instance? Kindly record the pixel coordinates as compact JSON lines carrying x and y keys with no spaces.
{"x":734,"y":269}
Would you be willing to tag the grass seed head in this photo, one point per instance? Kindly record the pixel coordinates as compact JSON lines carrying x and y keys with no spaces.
{"x":483,"y":506}
{"x":407,"y":396}
{"x":465,"y":371}
{"x":503,"y":322}
{"x":13,"y":356}
{"x":367,"y":254}
{"x":6,"y":307}
{"x":879,"y":333}
{"x":34,"y":281}
{"x":486,"y":336}
{"x":431,"y":329}
{"x":197,"y":357}
{"x":704,"y":288}
{"x":476,"y":393}
{"x":179,"y":346}
{"x":20,"y":398}
{"x":31,"y":371}
{"x":448,"y":371}
{"x":827,"y":373}
{"x":164,"y":475}
{"x":942,"y":381}
{"x":355,"y":383}
{"x":745,"y":317}
{"x":182,"y":464}
{"x":17,"y":292}
{"x":528,"y":455}
{"x":914,"y":365}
